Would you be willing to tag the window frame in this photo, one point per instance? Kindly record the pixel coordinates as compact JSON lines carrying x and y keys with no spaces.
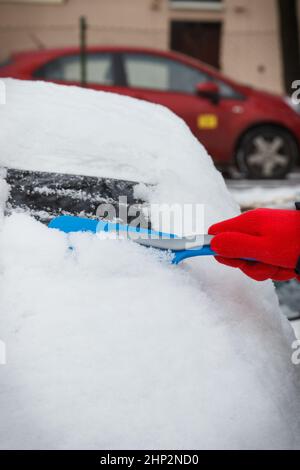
{"x":235,"y":94}
{"x":116,"y":69}
{"x":156,"y":90}
{"x":190,"y":5}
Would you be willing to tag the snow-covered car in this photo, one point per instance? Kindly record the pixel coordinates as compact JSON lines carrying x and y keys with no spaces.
{"x":108,"y":345}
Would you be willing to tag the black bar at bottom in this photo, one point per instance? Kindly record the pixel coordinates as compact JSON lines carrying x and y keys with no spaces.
{"x":136,"y":459}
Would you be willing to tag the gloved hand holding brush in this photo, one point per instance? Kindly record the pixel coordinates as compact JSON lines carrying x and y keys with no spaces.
{"x":270,"y":236}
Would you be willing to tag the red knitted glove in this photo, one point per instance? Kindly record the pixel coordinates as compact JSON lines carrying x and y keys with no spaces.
{"x":270,"y":236}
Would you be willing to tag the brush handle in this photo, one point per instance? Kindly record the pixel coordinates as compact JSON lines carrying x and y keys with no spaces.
{"x":201,"y":251}
{"x":70,"y":224}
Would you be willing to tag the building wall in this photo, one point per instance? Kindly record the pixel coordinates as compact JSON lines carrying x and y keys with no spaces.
{"x":251,"y":43}
{"x":132,"y":22}
{"x":250,"y":53}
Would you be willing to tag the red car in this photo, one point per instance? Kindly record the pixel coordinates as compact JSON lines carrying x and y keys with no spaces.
{"x":257,"y":131}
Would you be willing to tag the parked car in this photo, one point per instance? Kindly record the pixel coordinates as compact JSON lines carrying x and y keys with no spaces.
{"x":257,"y":131}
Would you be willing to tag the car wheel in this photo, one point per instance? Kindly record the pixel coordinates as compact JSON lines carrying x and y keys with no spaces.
{"x":266,"y":152}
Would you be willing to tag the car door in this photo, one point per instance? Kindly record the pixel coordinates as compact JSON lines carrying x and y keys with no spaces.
{"x":172,"y":83}
{"x":101,"y":70}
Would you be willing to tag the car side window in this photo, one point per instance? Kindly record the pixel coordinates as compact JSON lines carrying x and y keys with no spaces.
{"x":99,"y":69}
{"x":160,"y":73}
{"x":5,"y":63}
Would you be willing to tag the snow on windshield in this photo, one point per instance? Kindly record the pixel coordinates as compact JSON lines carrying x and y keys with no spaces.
{"x":108,"y":345}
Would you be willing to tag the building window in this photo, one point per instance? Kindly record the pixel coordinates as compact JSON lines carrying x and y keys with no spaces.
{"x":204,"y":4}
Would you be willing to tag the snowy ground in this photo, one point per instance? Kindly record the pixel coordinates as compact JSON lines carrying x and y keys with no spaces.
{"x":256,"y":193}
{"x":108,"y":345}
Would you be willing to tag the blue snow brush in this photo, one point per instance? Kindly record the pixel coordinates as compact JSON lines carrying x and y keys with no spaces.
{"x":181,"y":248}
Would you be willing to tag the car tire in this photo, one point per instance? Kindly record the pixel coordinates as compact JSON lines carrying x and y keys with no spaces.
{"x":266,"y":152}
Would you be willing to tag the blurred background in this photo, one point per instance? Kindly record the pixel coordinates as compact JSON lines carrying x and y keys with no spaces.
{"x":249,"y":41}
{"x":255,"y":43}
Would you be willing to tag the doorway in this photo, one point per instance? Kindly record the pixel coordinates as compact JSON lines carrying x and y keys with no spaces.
{"x":201,"y":40}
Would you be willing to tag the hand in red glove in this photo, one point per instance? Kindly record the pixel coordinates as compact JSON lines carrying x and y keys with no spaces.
{"x":270,"y":236}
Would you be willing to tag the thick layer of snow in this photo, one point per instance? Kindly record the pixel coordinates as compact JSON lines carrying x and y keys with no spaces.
{"x":108,"y":345}
{"x":63,"y":129}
